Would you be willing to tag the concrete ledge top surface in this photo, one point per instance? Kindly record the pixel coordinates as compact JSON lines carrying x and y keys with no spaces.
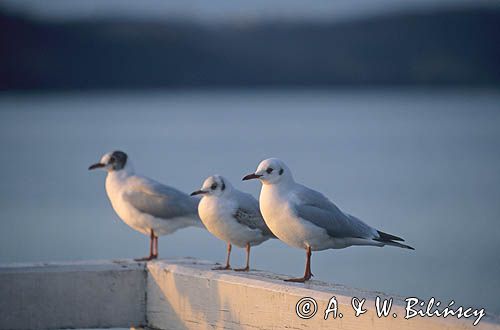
{"x":72,"y":266}
{"x":271,"y":282}
{"x":264,"y":279}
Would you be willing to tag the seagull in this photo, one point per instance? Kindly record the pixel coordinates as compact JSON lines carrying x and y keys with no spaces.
{"x":232,"y":216}
{"x":145,"y":205}
{"x":306,"y":219}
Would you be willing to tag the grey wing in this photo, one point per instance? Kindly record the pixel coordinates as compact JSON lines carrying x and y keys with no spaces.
{"x":316,"y":208}
{"x":160,"y":201}
{"x":248,"y":214}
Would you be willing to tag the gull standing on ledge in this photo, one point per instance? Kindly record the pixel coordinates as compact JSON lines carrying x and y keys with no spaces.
{"x":306,"y":219}
{"x":144,"y":204}
{"x":232,"y":216}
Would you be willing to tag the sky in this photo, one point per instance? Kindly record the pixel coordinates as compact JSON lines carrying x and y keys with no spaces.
{"x":220,"y":10}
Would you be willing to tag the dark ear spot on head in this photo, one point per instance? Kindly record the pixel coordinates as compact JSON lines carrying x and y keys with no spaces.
{"x":118,"y":159}
{"x":281,"y":171}
{"x":223,"y":186}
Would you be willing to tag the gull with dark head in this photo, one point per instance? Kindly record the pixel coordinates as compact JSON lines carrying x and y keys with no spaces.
{"x":306,"y":219}
{"x":232,"y":216}
{"x":144,"y":204}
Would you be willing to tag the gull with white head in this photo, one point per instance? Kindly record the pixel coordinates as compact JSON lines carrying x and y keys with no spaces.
{"x":306,"y":219}
{"x":232,"y":216}
{"x":144,"y":204}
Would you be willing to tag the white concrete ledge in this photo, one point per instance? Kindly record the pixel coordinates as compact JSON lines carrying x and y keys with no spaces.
{"x":92,"y":294}
{"x":187,"y":294}
{"x":184,"y":294}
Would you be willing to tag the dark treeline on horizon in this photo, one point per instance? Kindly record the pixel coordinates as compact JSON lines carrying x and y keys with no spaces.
{"x":442,"y":48}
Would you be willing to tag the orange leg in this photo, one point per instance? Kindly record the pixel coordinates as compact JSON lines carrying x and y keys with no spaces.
{"x":247,"y":268}
{"x":307,"y":274}
{"x":153,"y":248}
{"x":227,"y":266}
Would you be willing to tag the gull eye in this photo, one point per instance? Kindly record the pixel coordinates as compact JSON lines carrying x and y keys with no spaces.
{"x":269,"y":170}
{"x":214,"y":186}
{"x":112,"y":160}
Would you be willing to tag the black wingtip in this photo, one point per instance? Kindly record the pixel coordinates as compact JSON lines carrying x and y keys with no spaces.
{"x":389,"y":237}
{"x":405,"y":246}
{"x":393,"y":243}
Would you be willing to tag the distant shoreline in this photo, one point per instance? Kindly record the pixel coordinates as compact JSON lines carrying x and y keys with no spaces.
{"x":455,"y":47}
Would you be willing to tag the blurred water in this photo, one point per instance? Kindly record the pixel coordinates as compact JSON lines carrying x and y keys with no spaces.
{"x":420,"y":164}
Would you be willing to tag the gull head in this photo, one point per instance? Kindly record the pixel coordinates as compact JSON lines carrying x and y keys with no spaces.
{"x":271,"y":171}
{"x":112,"y":161}
{"x":214,"y":185}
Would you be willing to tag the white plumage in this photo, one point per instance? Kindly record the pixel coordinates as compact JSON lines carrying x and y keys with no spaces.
{"x":144,"y":204}
{"x":231,"y":215}
{"x":306,"y":219}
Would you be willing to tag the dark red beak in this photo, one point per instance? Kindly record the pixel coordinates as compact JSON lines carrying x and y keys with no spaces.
{"x":251,"y":176}
{"x":198,"y":192}
{"x":98,"y":165}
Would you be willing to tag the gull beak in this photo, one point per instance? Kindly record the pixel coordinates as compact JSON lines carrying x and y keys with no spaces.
{"x":251,"y":176}
{"x":97,"y":165}
{"x":198,"y":192}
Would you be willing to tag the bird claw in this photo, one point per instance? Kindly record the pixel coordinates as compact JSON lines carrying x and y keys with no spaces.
{"x":246,"y":269}
{"x":151,"y":257}
{"x":296,"y":280}
{"x":227,"y":267}
{"x":300,"y":279}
